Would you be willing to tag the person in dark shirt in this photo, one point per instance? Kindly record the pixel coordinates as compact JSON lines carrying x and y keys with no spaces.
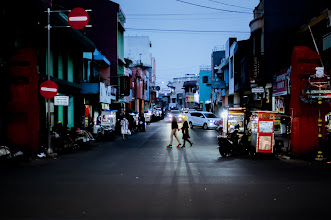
{"x":174,"y":127}
{"x":186,"y":135}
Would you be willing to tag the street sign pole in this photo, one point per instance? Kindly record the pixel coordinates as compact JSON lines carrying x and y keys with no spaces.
{"x":80,"y":26}
{"x":49,"y":148}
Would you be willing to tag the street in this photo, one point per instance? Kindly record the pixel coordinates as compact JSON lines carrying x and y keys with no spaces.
{"x":139,"y":178}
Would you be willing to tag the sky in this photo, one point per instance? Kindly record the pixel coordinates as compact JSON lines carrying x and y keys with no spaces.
{"x":184,"y":33}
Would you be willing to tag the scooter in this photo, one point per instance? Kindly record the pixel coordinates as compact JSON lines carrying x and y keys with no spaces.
{"x":229,"y":146}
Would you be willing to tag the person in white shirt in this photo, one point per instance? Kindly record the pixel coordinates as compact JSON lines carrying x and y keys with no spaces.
{"x":124,"y":127}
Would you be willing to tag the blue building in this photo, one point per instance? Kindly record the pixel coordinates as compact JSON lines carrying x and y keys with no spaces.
{"x":205,"y":87}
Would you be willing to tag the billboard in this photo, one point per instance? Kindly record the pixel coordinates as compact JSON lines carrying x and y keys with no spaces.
{"x":105,"y":93}
{"x":165,"y":90}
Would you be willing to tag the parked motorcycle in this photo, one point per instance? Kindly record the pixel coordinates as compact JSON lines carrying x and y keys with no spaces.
{"x":233,"y":144}
{"x":13,"y":153}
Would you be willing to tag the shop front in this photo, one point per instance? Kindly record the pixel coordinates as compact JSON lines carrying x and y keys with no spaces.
{"x":280,"y":100}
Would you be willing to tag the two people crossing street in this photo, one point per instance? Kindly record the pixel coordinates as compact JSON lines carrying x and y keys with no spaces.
{"x":174,"y":128}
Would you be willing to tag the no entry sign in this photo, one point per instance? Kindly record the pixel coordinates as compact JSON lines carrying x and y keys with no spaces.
{"x":48,"y":89}
{"x":78,"y":18}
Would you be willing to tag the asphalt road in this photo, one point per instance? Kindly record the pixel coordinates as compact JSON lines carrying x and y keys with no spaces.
{"x":139,"y":178}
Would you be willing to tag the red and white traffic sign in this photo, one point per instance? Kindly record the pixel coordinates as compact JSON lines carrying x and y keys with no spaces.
{"x":78,"y":18}
{"x":48,"y":89}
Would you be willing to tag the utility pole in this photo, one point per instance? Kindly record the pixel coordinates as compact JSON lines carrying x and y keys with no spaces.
{"x":49,"y":148}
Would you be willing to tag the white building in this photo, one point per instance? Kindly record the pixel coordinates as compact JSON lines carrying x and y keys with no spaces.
{"x":177,"y":97}
{"x":138,"y":49}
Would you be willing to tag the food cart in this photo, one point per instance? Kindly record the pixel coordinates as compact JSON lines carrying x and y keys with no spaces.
{"x":262,"y":132}
{"x":108,"y":120}
{"x":235,"y":116}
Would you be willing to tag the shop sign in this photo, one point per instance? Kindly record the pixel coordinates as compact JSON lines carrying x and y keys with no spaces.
{"x":256,"y":68}
{"x":189,"y":98}
{"x":280,"y":83}
{"x":310,"y":92}
{"x":319,"y":96}
{"x":122,"y":100}
{"x":319,"y":79}
{"x":196,"y":97}
{"x":165,"y":90}
{"x":61,"y":100}
{"x":218,"y":85}
{"x":105,"y":106}
{"x":257,"y":90}
{"x":279,"y":105}
{"x":105,"y":93}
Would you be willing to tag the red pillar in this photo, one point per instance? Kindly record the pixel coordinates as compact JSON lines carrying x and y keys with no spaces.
{"x":304,"y":136}
{"x":23,"y":107}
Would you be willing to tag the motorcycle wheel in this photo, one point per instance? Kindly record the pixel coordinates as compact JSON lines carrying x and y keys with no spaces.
{"x":222,"y":153}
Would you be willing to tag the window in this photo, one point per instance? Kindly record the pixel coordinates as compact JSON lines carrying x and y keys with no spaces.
{"x":205,"y":79}
{"x":210,"y":115}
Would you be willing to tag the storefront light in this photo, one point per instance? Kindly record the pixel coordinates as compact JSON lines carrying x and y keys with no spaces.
{"x":224,"y":114}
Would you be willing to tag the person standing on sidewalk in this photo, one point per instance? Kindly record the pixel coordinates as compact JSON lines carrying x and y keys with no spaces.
{"x":174,"y":127}
{"x":186,"y":135}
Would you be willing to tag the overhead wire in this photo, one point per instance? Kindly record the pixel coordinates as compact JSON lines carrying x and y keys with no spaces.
{"x":222,"y":3}
{"x":180,"y":19}
{"x":187,"y":31}
{"x":219,"y":9}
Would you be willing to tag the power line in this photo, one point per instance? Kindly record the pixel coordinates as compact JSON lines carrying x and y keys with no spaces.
{"x":229,"y":4}
{"x":219,"y":9}
{"x":181,"y":19}
{"x":290,"y":13}
{"x":188,"y":31}
{"x":176,"y":14}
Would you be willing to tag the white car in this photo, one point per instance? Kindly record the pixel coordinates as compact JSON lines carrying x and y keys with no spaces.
{"x":175,"y":113}
{"x":202,"y":119}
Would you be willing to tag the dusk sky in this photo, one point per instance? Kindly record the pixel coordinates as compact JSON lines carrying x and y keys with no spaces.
{"x":184,"y":33}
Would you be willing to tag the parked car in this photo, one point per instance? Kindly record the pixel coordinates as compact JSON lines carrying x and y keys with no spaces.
{"x":203,"y":119}
{"x":175,"y":113}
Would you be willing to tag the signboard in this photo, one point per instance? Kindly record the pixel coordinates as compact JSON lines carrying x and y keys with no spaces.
{"x":319,"y":96}
{"x":165,"y":90}
{"x":218,"y":84}
{"x":105,"y":93}
{"x":256,"y":69}
{"x":280,"y":83}
{"x":78,"y":18}
{"x":279,"y":105}
{"x":122,"y":101}
{"x":257,"y":90}
{"x":48,"y":89}
{"x":310,"y":92}
{"x":189,"y":98}
{"x":61,"y":100}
